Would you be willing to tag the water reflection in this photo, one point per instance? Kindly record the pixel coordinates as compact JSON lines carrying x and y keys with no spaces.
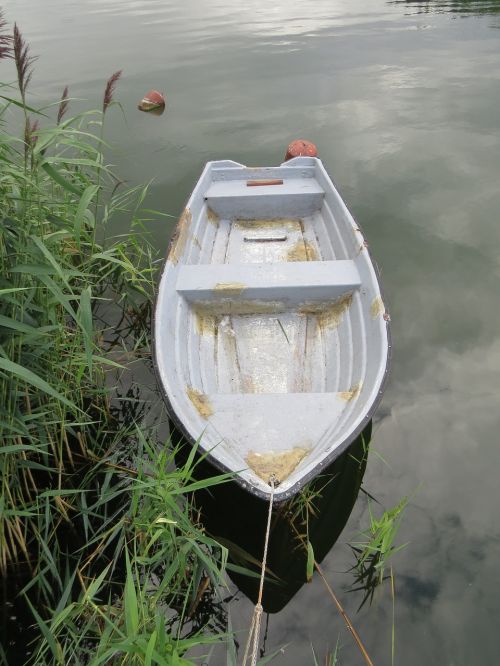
{"x":237,"y":520}
{"x":463,"y":7}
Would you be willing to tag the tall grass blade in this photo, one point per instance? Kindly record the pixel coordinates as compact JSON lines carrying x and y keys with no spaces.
{"x":34,"y":380}
{"x":130,"y":600}
{"x":58,"y":178}
{"x":87,"y":196}
{"x":310,"y":562}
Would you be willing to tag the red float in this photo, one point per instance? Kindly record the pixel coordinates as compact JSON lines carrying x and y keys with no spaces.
{"x":152,"y":100}
{"x":301,"y":148}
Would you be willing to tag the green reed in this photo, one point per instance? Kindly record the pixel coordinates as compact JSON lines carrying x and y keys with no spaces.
{"x":158,"y":556}
{"x":375,"y":547}
{"x":54,"y":278}
{"x":331,"y":659}
{"x":95,"y":519}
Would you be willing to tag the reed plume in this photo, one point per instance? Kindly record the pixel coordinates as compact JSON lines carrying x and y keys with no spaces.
{"x":24,"y":62}
{"x":110,"y":89}
{"x":63,"y":105}
{"x":5,"y":39}
{"x":30,"y":138}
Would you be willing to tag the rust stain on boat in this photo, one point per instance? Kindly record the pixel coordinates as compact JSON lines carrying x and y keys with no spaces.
{"x":329,"y":314}
{"x":377,"y":307}
{"x":200,"y":401}
{"x":230,"y":288}
{"x":180,"y":236}
{"x":212,"y":216}
{"x":302,"y":251}
{"x":352,"y":393}
{"x":280,"y":464}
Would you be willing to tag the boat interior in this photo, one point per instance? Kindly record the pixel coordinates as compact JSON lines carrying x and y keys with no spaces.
{"x":272,"y":337}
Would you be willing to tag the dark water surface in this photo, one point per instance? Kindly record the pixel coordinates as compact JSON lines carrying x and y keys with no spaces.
{"x":403,"y":101}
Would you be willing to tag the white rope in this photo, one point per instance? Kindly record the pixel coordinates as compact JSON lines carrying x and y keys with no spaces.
{"x":254,"y":633}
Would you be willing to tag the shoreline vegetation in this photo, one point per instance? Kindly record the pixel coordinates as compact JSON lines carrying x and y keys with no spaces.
{"x":102,"y":550}
{"x":106,"y":553}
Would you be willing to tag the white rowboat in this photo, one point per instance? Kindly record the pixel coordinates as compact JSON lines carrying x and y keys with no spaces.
{"x":271,"y":337}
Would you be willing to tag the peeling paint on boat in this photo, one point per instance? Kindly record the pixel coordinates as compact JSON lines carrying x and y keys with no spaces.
{"x":200,"y":401}
{"x":238,"y":307}
{"x":180,"y":237}
{"x":281,"y":464}
{"x":230,"y":288}
{"x":352,"y":393}
{"x":212,"y":216}
{"x":328,"y":315}
{"x":285,"y":223}
{"x":377,"y":307}
{"x":302,"y":251}
{"x":206,"y":324}
{"x":249,"y":385}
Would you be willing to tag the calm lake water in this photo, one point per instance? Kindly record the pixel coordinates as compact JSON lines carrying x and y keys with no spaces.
{"x":402,"y":99}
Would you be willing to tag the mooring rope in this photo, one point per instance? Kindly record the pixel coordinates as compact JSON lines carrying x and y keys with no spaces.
{"x":254,"y":633}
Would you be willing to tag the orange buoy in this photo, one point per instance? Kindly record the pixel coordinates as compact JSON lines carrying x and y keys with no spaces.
{"x":301,"y":148}
{"x":151,"y":101}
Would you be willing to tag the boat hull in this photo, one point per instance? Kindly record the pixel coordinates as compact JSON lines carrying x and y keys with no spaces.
{"x":271,"y":334}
